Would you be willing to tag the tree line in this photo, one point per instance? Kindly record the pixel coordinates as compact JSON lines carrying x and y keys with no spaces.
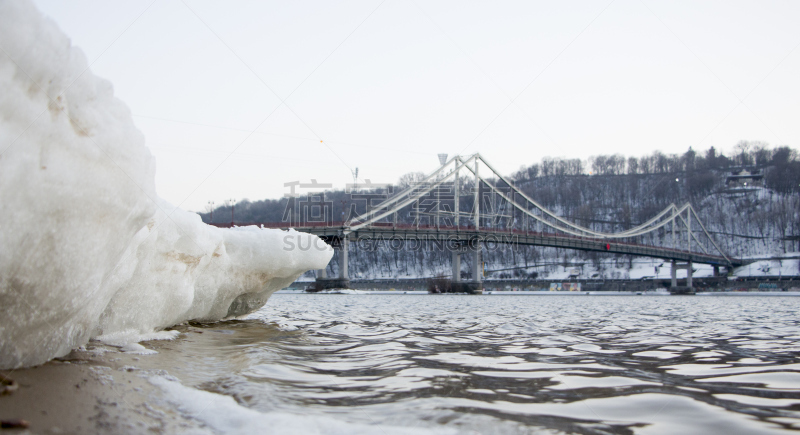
{"x":745,"y":154}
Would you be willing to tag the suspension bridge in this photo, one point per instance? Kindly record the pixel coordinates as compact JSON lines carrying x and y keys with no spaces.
{"x":501,"y":213}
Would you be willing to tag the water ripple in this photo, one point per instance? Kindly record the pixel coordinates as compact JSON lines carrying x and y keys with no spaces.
{"x":520,"y":364}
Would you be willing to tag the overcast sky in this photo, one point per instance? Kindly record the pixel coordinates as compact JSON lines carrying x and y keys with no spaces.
{"x":237,"y":98}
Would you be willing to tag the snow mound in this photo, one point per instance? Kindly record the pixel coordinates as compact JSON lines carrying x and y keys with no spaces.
{"x":87,"y":248}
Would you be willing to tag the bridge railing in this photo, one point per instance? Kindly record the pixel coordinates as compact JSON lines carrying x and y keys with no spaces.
{"x":460,"y":228}
{"x":279,"y":225}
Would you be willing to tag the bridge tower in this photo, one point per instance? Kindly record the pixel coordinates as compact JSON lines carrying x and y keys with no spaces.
{"x":475,"y":285}
{"x":688,"y":289}
{"x":456,"y":199}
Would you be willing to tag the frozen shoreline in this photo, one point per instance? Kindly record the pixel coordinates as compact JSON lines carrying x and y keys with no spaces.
{"x":106,"y":389}
{"x":90,"y":393}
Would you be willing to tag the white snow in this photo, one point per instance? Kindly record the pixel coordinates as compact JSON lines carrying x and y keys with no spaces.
{"x":770,"y":268}
{"x":87,"y":248}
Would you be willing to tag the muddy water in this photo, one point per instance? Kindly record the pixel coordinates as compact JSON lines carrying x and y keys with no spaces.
{"x":507,"y":364}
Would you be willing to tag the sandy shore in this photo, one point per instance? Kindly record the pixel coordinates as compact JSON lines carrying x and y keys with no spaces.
{"x":99,"y":390}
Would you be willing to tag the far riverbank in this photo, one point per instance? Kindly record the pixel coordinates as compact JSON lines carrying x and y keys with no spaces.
{"x":706,"y":284}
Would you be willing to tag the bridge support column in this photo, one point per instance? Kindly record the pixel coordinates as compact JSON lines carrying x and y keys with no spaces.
{"x":716,"y":270}
{"x":343,"y":251}
{"x":673,"y":273}
{"x":689,"y":274}
{"x":342,"y":281}
{"x":683,"y":290}
{"x":471,"y":286}
{"x":456,"y":266}
{"x":477,"y":267}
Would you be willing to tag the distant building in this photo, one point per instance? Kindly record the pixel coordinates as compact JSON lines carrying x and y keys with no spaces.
{"x":744,"y":179}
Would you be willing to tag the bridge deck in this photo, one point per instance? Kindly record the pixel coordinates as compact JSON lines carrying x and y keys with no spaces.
{"x":464,"y":235}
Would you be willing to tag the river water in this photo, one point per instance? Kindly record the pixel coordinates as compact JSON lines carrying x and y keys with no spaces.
{"x":505,"y":364}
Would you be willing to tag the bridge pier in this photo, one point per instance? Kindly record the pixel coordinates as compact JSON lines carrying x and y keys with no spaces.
{"x":673,"y":274}
{"x":456,"y":266}
{"x":343,"y":254}
{"x":683,"y":290}
{"x":477,"y":267}
{"x":343,"y":280}
{"x":474,"y":286}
